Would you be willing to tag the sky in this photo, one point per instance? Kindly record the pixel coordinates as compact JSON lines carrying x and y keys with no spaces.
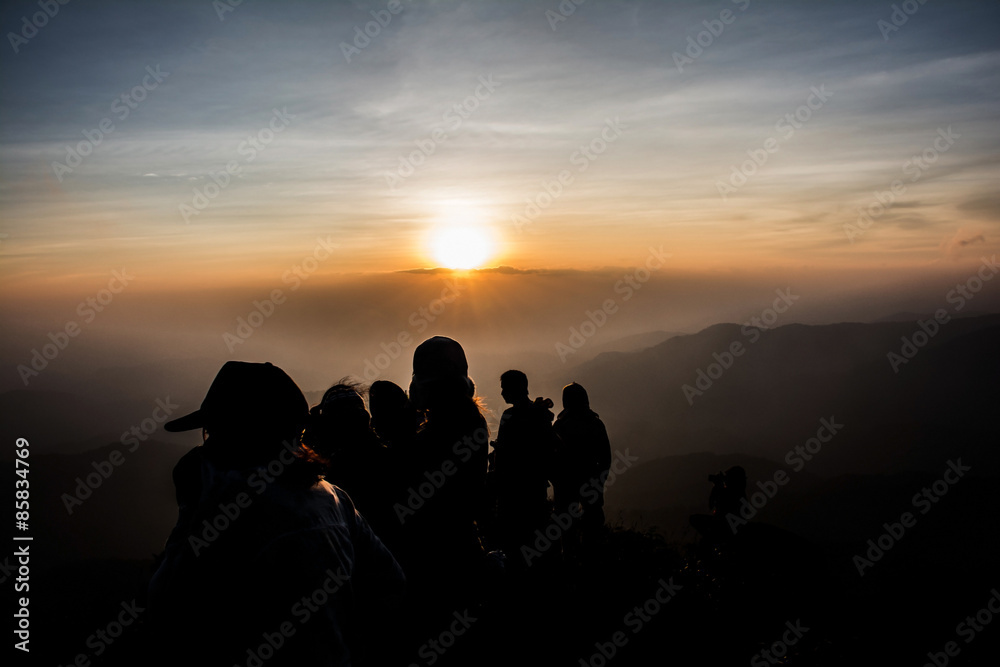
{"x":535,"y":89}
{"x":182,"y":161}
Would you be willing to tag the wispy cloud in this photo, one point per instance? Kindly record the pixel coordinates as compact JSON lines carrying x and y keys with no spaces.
{"x":326,"y":173}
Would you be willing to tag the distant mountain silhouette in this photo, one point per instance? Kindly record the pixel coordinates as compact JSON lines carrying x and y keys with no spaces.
{"x":98,"y":406}
{"x":913,"y":317}
{"x":80,"y":415}
{"x":772,"y":397}
{"x":633,"y":343}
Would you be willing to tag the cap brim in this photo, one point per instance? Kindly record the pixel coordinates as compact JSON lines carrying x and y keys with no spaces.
{"x":185,"y":423}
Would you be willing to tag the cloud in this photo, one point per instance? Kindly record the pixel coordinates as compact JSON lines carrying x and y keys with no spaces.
{"x":959,"y":245}
{"x":988,"y":206}
{"x":510,"y":270}
{"x":979,"y":238}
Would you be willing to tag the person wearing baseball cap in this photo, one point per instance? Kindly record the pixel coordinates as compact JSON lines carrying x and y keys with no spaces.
{"x":258,"y":530}
{"x":248,"y":409}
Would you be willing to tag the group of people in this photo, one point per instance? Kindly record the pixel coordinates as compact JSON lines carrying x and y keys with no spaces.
{"x":306,"y":534}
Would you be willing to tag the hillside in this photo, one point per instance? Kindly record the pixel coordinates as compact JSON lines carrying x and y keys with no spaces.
{"x":773,"y":395}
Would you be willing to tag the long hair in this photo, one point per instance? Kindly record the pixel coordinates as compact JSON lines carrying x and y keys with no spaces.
{"x":338,"y":423}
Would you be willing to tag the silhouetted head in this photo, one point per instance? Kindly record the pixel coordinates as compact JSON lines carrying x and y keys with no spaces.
{"x":440,"y":373}
{"x":386,"y":398}
{"x":248,"y":412}
{"x":574,"y":397}
{"x":392,"y":411}
{"x":514,"y":386}
{"x":340,"y":423}
{"x":342,"y":405}
{"x":736,"y":479}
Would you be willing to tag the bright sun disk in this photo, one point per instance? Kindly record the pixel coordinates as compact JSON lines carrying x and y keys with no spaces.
{"x":461,"y":247}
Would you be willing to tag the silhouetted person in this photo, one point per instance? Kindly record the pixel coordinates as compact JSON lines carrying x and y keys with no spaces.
{"x":583,"y":463}
{"x":728,"y":491}
{"x":340,"y":436}
{"x":258,"y":533}
{"x":394,"y":419}
{"x":446,"y":494}
{"x":524,"y":454}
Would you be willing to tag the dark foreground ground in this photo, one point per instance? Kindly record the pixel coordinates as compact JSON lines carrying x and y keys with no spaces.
{"x":768,"y":597}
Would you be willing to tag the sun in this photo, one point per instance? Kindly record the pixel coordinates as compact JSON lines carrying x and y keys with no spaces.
{"x":461,"y":247}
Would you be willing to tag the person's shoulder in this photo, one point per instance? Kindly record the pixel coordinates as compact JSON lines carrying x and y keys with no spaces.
{"x":192,"y":460}
{"x":333,"y":502}
{"x":187,"y":476}
{"x":324,"y":490}
{"x":510,"y":413}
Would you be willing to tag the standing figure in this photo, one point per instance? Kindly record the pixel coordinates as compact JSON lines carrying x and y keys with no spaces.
{"x":584,"y":462}
{"x":524,"y":452}
{"x":446,"y":477}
